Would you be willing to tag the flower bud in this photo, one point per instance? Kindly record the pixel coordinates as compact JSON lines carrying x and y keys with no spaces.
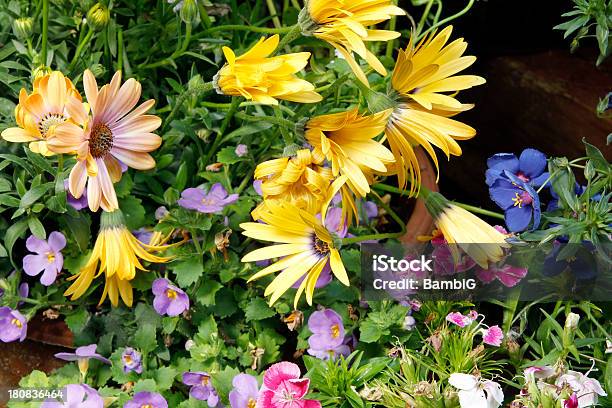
{"x":189,"y":11}
{"x":98,"y":17}
{"x":22,"y":28}
{"x":40,"y":72}
{"x":571,"y":322}
{"x":98,"y":70}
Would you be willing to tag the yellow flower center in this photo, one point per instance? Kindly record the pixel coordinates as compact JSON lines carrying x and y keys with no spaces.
{"x":147,"y":406}
{"x":50,"y":257}
{"x":335,"y":330}
{"x":205,"y":380}
{"x":171,"y":294}
{"x":17,"y":323}
{"x":127,"y":359}
{"x":252,"y":403}
{"x":100,"y":140}
{"x":48,"y":122}
{"x":321,"y":247}
{"x":521,"y":199}
{"x":208,"y":201}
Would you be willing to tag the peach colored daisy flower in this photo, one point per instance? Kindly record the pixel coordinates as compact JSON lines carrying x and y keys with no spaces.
{"x":115,"y":132}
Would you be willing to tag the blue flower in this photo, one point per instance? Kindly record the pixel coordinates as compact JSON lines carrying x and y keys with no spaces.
{"x":581,"y":264}
{"x":519,"y":201}
{"x":529,"y":167}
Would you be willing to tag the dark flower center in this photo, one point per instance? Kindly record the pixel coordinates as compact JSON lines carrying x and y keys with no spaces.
{"x":522,"y":177}
{"x":100,"y":140}
{"x":321,"y":247}
{"x":49,"y":121}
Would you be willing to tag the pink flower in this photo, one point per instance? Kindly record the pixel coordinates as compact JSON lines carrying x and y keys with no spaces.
{"x":493,"y":336}
{"x":283,"y":388}
{"x":571,"y":402}
{"x":459,"y":319}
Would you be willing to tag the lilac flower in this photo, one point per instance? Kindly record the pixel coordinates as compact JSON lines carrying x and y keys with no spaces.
{"x":519,"y":200}
{"x":257,"y":187}
{"x":48,"y":257}
{"x":371,"y":209}
{"x":581,"y":264}
{"x":161,"y":213}
{"x":169,"y":299}
{"x":492,"y":336}
{"x":82,"y":355}
{"x":76,"y":203}
{"x":13,"y":325}
{"x":529,"y":167}
{"x":327,"y":340}
{"x":245,"y":392}
{"x":201,"y":387}
{"x":213,"y":201}
{"x":132,"y":360}
{"x":143,"y":234}
{"x":459,"y":319}
{"x":147,"y":399}
{"x":241,"y":150}
{"x":77,"y":395}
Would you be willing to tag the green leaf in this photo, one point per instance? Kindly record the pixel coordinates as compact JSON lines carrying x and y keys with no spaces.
{"x":181,"y":177}
{"x":37,"y":228}
{"x":258,"y":309}
{"x":223,"y":380}
{"x":164,"y":377}
{"x":34,"y":194}
{"x":597,"y":158}
{"x":145,"y":385}
{"x":13,"y":233}
{"x":145,"y":338}
{"x":228,"y":155}
{"x":78,"y":320}
{"x":80,"y":229}
{"x":207,"y":291}
{"x":133,"y":211}
{"x":187,"y":272}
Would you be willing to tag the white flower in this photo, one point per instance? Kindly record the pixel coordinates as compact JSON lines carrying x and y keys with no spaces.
{"x":571,"y":321}
{"x":587,"y":389}
{"x":475,"y":392}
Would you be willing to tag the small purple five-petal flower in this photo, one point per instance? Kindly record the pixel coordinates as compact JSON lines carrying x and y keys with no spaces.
{"x":169,"y":299}
{"x":147,"y":399}
{"x":201,"y":387}
{"x":48,"y":258}
{"x":77,"y":395}
{"x":529,"y":167}
{"x":132,"y":360}
{"x":13,"y":325}
{"x":327,"y":339}
{"x":82,"y":355}
{"x":519,"y":200}
{"x":245,"y":392}
{"x":213,"y":201}
{"x":241,"y":150}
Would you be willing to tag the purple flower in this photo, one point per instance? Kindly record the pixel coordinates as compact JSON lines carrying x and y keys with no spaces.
{"x":132,"y":360}
{"x":82,"y":355}
{"x":492,"y":336}
{"x":169,"y":299}
{"x":213,"y":201}
{"x":147,"y":399}
{"x":160,"y":213}
{"x":371,"y":209}
{"x":201,"y":387}
{"x":257,"y":187}
{"x":76,"y":203}
{"x":519,"y":200}
{"x":327,"y":339}
{"x":245,"y":392}
{"x":48,"y":257}
{"x":143,"y":234}
{"x":241,"y":150}
{"x":77,"y":395}
{"x":529,"y":167}
{"x":13,"y":325}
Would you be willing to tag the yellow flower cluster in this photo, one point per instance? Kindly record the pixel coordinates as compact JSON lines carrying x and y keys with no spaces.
{"x":346,"y":152}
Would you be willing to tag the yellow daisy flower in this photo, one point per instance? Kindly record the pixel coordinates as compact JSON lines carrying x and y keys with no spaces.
{"x":422,"y":75}
{"x":296,"y":180}
{"x":118,"y":131}
{"x":304,"y":247}
{"x":257,"y":76}
{"x":38,"y":114}
{"x":482,"y":242}
{"x":118,"y":254}
{"x":344,"y":25}
{"x":346,"y":139}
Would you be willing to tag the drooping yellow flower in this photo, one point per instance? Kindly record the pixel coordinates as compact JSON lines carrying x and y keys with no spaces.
{"x":116,"y":254}
{"x":346,"y":139}
{"x":482,"y":242}
{"x":304,"y":245}
{"x":117,"y":131}
{"x":296,"y":180}
{"x":344,"y":25}
{"x":38,"y":114}
{"x":422,"y":76}
{"x":264,"y":79}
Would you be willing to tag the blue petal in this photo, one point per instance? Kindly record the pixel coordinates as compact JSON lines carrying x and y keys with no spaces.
{"x":532,"y":163}
{"x":518,"y":218}
{"x":581,"y":267}
{"x":541,"y":179}
{"x":491,"y":175}
{"x":503,"y":161}
{"x":535,"y":204}
{"x":502,"y":192}
{"x":553,"y":267}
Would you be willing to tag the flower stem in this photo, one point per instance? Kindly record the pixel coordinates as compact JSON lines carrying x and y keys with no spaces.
{"x":293,"y":34}
{"x":391,"y":43}
{"x":177,"y":53}
{"x":235,"y":27}
{"x":200,"y":89}
{"x":45,"y":29}
{"x":478,"y":210}
{"x":80,"y":47}
{"x":424,"y":18}
{"x":448,"y":19}
{"x":287,"y":124}
{"x":273,"y":13}
{"x":222,"y":129}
